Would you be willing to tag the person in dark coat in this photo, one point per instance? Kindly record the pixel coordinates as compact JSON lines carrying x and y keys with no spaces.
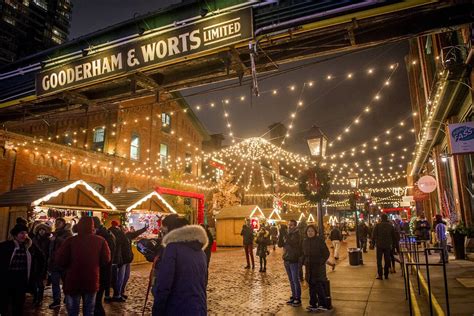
{"x":315,"y":254}
{"x":118,"y":267}
{"x":41,"y":239}
{"x":263,"y":240}
{"x":128,"y":256}
{"x":247,"y":238}
{"x":302,"y":229}
{"x":335,"y":236}
{"x":384,"y":238}
{"x":182,"y":274}
{"x":60,"y":234}
{"x":422,"y":228}
{"x":82,"y":256}
{"x":105,"y":272}
{"x":291,"y":243}
{"x":363,"y":232}
{"x":20,"y":265}
{"x":274,"y":235}
{"x":208,"y":249}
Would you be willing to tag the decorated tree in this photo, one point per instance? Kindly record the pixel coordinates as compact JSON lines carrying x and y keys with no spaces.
{"x":226,"y":194}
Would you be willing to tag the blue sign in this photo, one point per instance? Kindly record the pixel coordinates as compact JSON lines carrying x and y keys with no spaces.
{"x":461,"y":137}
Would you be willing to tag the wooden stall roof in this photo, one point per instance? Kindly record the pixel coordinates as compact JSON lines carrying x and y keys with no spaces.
{"x":241,"y":211}
{"x":60,"y":193}
{"x":128,"y":201}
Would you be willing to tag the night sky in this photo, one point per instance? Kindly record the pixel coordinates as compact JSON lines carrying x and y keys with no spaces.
{"x":330,"y":104}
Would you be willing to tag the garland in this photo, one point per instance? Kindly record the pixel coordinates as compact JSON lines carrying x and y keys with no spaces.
{"x":314,"y":184}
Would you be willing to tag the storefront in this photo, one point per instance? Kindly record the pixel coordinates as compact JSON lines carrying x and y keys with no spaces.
{"x":48,"y":201}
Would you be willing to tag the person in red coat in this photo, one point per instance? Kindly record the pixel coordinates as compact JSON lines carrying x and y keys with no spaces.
{"x":82,"y":256}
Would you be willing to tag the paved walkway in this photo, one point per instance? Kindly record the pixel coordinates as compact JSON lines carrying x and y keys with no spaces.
{"x":233,"y":290}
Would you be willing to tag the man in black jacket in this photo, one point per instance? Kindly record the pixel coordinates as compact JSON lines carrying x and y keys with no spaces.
{"x":128,"y":257}
{"x":118,"y":267}
{"x":247,"y":236}
{"x":363,"y":232}
{"x":384,"y":238}
{"x":105,"y":272}
{"x":291,"y":244}
{"x":336,"y":237}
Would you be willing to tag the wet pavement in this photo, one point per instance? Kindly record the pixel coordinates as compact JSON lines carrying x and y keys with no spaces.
{"x":232,"y":290}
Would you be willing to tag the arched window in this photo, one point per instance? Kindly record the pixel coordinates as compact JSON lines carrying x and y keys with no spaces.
{"x":98,"y":139}
{"x":98,"y":187}
{"x":135,"y":147}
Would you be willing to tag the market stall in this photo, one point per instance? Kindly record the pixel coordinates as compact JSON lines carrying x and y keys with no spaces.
{"x":142,"y":209}
{"x":48,"y":201}
{"x":272,"y":215}
{"x":230,"y":220}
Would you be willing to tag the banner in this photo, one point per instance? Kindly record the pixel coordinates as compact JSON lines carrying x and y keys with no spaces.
{"x":151,"y":51}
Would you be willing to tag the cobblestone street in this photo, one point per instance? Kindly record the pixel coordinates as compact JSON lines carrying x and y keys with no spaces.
{"x":232,"y":290}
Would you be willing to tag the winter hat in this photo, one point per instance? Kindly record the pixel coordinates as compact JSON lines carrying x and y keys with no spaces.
{"x":173,"y":221}
{"x":18,"y":228}
{"x":114,"y":223}
{"x":439,"y":218}
{"x":21,"y":220}
{"x":44,"y":226}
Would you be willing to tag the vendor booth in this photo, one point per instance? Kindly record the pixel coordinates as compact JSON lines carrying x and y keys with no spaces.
{"x":272,"y":216}
{"x":230,"y":220}
{"x":142,"y":209}
{"x":48,"y":201}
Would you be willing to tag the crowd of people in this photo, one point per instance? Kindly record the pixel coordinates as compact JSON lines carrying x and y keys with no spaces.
{"x":92,"y":262}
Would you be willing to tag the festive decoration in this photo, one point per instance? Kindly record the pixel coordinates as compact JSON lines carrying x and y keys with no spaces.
{"x":226,"y":194}
{"x":314,"y":184}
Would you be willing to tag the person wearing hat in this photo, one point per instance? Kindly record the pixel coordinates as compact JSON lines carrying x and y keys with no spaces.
{"x":19,"y":261}
{"x":118,"y":264}
{"x":41,"y":239}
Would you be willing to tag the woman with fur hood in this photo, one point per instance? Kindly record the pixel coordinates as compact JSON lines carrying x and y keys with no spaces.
{"x":181,"y":280}
{"x":20,"y":263}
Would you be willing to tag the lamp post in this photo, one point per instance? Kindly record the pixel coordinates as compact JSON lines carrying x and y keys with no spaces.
{"x":367,"y":196}
{"x":317,"y":144}
{"x":354,"y":182}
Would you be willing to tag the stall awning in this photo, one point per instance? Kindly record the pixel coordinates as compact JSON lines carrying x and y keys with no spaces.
{"x":129,"y":201}
{"x":241,"y":211}
{"x":74,"y":194}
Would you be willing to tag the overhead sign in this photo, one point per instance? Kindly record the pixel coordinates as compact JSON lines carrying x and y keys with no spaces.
{"x":427,"y":184}
{"x":461,"y":137}
{"x":151,"y":51}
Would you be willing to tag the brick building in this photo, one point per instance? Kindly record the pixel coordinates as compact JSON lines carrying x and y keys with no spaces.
{"x":128,"y":145}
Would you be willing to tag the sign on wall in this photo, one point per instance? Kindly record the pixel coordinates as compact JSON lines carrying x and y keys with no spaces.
{"x":183,"y":41}
{"x":427,"y":184}
{"x":461,"y":138}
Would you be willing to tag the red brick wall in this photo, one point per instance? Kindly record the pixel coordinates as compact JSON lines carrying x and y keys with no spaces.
{"x":40,"y":149}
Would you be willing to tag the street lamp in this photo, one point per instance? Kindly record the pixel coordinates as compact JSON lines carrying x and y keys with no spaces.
{"x":317,"y":144}
{"x":354,"y":182}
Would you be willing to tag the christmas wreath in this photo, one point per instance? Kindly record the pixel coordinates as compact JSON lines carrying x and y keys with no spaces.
{"x":314,"y":184}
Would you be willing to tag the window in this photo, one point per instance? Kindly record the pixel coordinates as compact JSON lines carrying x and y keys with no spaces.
{"x":98,"y":187}
{"x":98,"y":139}
{"x":163,"y":154}
{"x":165,"y":122}
{"x":45,"y":178}
{"x":68,"y":140}
{"x":135,"y":147}
{"x":188,"y":164}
